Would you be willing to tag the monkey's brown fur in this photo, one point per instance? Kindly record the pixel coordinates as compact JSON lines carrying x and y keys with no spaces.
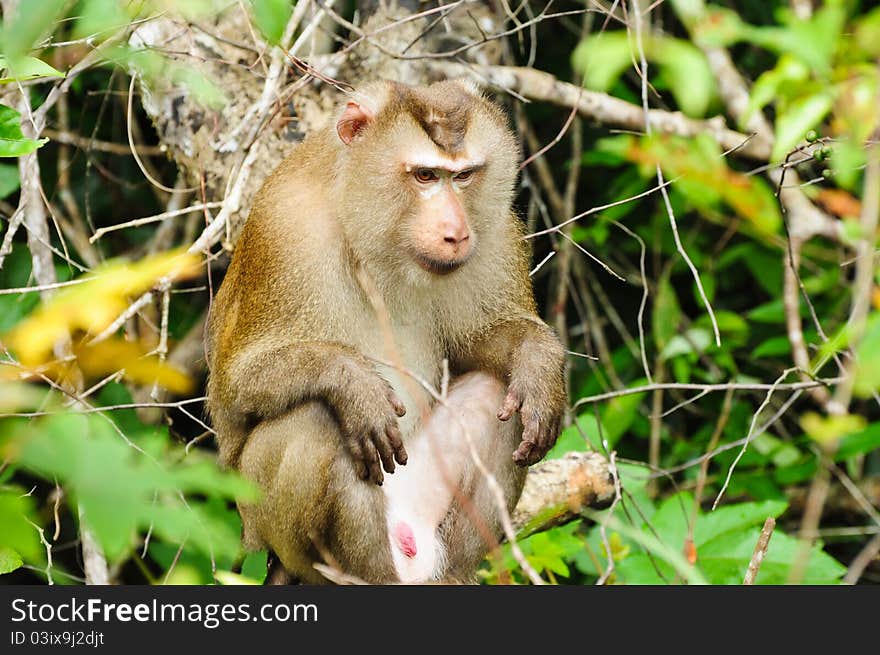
{"x":295,"y":394}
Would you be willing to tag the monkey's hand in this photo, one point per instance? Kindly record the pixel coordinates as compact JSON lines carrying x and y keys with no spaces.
{"x":368,"y":409}
{"x":537,"y":392}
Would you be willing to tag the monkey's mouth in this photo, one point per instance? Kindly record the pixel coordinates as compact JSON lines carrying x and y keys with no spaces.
{"x":440,"y":266}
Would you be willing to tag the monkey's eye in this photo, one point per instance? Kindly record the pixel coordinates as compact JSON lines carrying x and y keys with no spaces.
{"x":426,"y":175}
{"x":464,"y":176}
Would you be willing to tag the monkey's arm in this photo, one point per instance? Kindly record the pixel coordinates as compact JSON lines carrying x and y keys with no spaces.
{"x":263,"y":383}
{"x":525,"y":353}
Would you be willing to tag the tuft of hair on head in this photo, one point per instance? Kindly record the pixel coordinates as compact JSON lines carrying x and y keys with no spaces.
{"x":443,"y":110}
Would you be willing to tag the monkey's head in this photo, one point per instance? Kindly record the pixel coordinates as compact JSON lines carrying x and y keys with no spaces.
{"x":429,"y":170}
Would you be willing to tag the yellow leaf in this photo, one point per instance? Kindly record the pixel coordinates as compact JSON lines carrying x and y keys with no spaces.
{"x":828,"y":430}
{"x":116,"y":354}
{"x":93,"y":305}
{"x":19,"y":396}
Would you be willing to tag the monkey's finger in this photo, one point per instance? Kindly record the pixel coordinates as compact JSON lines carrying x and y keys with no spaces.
{"x":396,"y":442}
{"x":512,"y":403}
{"x":523,"y":454}
{"x":396,"y":403}
{"x":547,"y":436}
{"x":386,"y":454}
{"x":357,"y":454}
{"x":371,"y":457}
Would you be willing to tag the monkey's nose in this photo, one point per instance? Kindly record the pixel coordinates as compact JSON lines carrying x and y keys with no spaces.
{"x":456,"y":235}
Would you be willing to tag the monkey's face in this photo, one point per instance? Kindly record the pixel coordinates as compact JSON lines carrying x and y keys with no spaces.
{"x":439,"y":164}
{"x":437,"y":231}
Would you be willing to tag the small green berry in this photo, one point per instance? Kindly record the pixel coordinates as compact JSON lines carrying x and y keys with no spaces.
{"x":812,"y":135}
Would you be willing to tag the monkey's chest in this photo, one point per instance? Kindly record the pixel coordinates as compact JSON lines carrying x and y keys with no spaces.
{"x":412,"y":356}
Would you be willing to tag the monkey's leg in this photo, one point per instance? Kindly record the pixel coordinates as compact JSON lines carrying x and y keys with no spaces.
{"x":313,"y":502}
{"x":422,"y":494}
{"x":469,"y":529}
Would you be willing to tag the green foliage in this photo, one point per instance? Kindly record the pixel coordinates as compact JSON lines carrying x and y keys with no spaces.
{"x":586,"y":432}
{"x":147,"y":480}
{"x":867,"y":371}
{"x":701,"y":175}
{"x":823,"y":65}
{"x":803,"y":113}
{"x":723,"y":544}
{"x":25,"y":69}
{"x":602,"y":59}
{"x":12,"y":142}
{"x":9,"y":182}
{"x":19,"y":539}
{"x":271,"y":17}
{"x":31,"y":21}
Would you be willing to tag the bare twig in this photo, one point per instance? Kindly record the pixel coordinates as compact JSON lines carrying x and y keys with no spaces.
{"x":760,"y":551}
{"x":736,"y":386}
{"x":603,"y":108}
{"x":861,"y":561}
{"x":73,"y":139}
{"x":864,"y":277}
{"x":154,"y":219}
{"x":751,"y":433}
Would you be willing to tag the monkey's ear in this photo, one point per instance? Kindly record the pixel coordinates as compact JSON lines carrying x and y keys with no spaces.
{"x":353,"y":120}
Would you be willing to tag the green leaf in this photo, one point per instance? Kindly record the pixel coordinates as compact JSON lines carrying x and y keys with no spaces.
{"x":859,"y":443}
{"x":867,"y":34}
{"x":9,"y":560}
{"x":802,"y":115}
{"x":161,"y":71}
{"x":828,"y":430}
{"x":30,"y":22}
{"x":769,"y":312}
{"x":734,"y":518}
{"x":726,"y":559}
{"x":732,"y":325}
{"x":25,"y":68}
{"x":664,"y":548}
{"x":772,"y":347}
{"x":121,"y":490}
{"x":98,"y":18}
{"x":230,"y":578}
{"x":847,"y":161}
{"x":766,"y":269}
{"x":271,"y":17}
{"x":694,"y":340}
{"x":685,"y":69}
{"x":17,"y":512}
{"x":254,"y":565}
{"x":780,"y":452}
{"x":616,"y":418}
{"x":867,"y":370}
{"x":12,"y":142}
{"x":602,"y":58}
{"x":785,"y":79}
{"x":667,"y":313}
{"x":9,"y":180}
{"x":713,"y":26}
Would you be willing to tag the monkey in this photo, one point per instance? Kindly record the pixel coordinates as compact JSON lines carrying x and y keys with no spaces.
{"x":384,"y":247}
